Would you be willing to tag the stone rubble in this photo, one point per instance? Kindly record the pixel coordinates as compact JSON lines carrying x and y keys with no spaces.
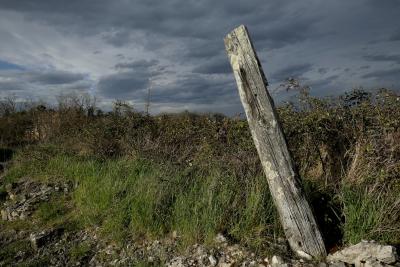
{"x":24,"y":196}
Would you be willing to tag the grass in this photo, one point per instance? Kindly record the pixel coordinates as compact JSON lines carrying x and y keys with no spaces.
{"x":53,"y":212}
{"x":80,"y":251}
{"x":371,"y":215}
{"x":138,"y":198}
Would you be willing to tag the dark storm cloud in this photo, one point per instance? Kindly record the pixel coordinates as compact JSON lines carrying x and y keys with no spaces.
{"x":196,"y":89}
{"x":294,"y":71}
{"x":132,"y":81}
{"x":287,"y":33}
{"x":187,"y":36}
{"x":137,"y":65}
{"x":395,"y":36}
{"x":191,"y":89}
{"x":388,"y":4}
{"x":324,"y":82}
{"x":391,"y":58}
{"x":12,"y":85}
{"x":322,"y":70}
{"x":365,"y":67}
{"x":123,"y":85}
{"x":19,"y":80}
{"x":216,"y":65}
{"x":204,"y":20}
{"x":53,"y":77}
{"x":384,"y":75}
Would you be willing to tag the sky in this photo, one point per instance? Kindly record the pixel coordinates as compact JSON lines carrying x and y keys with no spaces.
{"x":121,"y":49}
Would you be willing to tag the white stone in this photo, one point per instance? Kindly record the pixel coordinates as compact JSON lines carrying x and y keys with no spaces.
{"x":220,"y":238}
{"x":213,"y":260}
{"x":304,"y":255}
{"x":4,"y":215}
{"x":363,"y":251}
{"x":277,"y":261}
{"x":337,"y":264}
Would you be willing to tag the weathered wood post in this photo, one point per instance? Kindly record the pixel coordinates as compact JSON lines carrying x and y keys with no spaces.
{"x":295,"y":213}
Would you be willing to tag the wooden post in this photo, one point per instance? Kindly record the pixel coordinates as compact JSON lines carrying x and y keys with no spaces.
{"x":295,"y":213}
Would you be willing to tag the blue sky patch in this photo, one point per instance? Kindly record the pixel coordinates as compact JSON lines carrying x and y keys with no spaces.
{"x":4,"y":65}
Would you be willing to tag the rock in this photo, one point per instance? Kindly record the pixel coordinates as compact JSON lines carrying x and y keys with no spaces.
{"x":253,"y":263}
{"x":174,"y":234}
{"x":212,"y":260}
{"x":337,"y":264}
{"x":4,"y":215}
{"x":176,"y":262}
{"x":10,"y":187}
{"x":373,"y":263}
{"x":277,"y":261}
{"x":304,"y":255}
{"x":220,"y":238}
{"x":365,"y":251}
{"x":40,"y":239}
{"x":23,"y":199}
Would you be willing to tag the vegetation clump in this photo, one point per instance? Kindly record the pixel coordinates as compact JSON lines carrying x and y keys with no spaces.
{"x":137,"y":176}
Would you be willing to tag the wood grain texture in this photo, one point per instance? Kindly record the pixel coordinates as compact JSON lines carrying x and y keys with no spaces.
{"x":295,"y":213}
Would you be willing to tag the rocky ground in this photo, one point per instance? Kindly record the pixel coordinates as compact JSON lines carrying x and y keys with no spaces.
{"x":61,"y":245}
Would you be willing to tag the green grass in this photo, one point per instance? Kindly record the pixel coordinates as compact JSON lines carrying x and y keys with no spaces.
{"x":137,"y":198}
{"x":371,"y":214}
{"x":54,"y":211}
{"x":80,"y":251}
{"x":9,"y":251}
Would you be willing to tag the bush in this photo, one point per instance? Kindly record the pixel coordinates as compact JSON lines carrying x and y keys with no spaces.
{"x":145,"y":176}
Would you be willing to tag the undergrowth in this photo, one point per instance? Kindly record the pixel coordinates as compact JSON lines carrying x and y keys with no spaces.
{"x":138,"y":176}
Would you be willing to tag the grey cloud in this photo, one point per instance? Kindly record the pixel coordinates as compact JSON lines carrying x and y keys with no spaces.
{"x":11,"y":85}
{"x":381,"y":57}
{"x":196,"y":89}
{"x":53,"y":77}
{"x":388,"y":4}
{"x":193,"y":88}
{"x":216,"y":65}
{"x":140,"y":64}
{"x":117,"y":38}
{"x":395,"y":36}
{"x":41,"y":84}
{"x":123,"y":85}
{"x":206,"y":20}
{"x":392,"y":75}
{"x":188,"y":36}
{"x":294,"y":71}
{"x":287,"y":33}
{"x":131,"y":81}
{"x":322,"y":70}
